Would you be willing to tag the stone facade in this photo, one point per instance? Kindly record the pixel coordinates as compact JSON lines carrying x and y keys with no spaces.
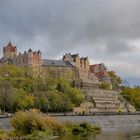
{"x":58,"y":69}
{"x":85,"y":79}
{"x":82,"y":64}
{"x":27,"y":59}
{"x":9,"y":51}
{"x":72,"y":66}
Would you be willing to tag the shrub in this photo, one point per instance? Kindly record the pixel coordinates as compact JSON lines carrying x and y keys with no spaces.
{"x":33,"y":124}
{"x":76,"y":130}
{"x":90,"y":128}
{"x":84,"y":128}
{"x":56,"y":126}
{"x":27,"y":122}
{"x":105,"y":85}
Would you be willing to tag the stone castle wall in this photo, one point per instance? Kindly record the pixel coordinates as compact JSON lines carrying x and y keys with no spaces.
{"x":72,"y":66}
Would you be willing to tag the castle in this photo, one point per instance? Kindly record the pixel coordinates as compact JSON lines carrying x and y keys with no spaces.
{"x":72,"y":66}
{"x":78,"y":69}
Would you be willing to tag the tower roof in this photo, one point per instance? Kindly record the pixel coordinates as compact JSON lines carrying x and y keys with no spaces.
{"x":9,"y":44}
{"x":30,"y":50}
{"x":10,"y":47}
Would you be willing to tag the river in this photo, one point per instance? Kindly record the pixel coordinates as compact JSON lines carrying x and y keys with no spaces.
{"x":121,"y":127}
{"x":117,"y":127}
{"x":105,"y":136}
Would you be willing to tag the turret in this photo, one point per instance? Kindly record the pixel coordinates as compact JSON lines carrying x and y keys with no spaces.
{"x":39,"y":57}
{"x":30,"y":57}
{"x":34,"y":58}
{"x":9,"y":51}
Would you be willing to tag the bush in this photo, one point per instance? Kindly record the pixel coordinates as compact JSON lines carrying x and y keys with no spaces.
{"x":90,"y":128}
{"x":27,"y":122}
{"x":83,"y":128}
{"x":56,"y":126}
{"x":105,"y":85}
{"x":33,"y":124}
{"x":76,"y":130}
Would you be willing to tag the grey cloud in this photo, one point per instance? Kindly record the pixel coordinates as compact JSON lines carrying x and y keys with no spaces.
{"x":117,"y":46}
{"x":98,"y":28}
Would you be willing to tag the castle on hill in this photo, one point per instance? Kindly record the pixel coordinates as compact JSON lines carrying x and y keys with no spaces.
{"x":78,"y":69}
{"x":85,"y":76}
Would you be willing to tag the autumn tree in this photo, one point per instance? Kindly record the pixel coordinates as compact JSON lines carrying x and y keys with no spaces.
{"x":132,"y":95}
{"x":116,"y":80}
{"x":19,"y":90}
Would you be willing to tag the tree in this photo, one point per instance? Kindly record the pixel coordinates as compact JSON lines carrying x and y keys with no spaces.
{"x":116,"y":80}
{"x":132,"y":95}
{"x":4,"y":94}
{"x":14,"y":86}
{"x":74,"y":94}
{"x":17,"y":76}
{"x":19,"y":90}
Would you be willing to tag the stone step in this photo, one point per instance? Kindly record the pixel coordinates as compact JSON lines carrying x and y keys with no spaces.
{"x":105,"y":102}
{"x":99,"y":98}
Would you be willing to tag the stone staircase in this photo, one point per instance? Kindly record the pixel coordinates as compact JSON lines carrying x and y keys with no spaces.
{"x":98,"y":100}
{"x":104,"y":100}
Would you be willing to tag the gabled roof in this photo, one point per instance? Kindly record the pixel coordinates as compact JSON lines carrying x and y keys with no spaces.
{"x":60,"y":63}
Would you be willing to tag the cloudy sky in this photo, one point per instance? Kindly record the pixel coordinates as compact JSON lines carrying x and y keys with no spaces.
{"x":107,"y":31}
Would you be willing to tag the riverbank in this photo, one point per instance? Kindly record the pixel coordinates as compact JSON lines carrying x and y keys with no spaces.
{"x":116,"y":127}
{"x":32,"y":124}
{"x":107,"y":123}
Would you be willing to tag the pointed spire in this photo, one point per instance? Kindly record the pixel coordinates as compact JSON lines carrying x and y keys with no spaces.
{"x":39,"y":52}
{"x":9,"y":44}
{"x":30,"y":50}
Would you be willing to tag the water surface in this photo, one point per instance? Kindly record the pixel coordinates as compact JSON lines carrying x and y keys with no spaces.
{"x":105,"y":136}
{"x":119,"y":127}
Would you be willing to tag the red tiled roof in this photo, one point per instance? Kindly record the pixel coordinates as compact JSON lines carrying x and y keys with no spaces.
{"x":102,"y":74}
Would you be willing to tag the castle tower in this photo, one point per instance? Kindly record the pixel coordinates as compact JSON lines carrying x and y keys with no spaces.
{"x":81,"y":63}
{"x":9,"y":51}
{"x":34,"y":58}
{"x":30,"y":57}
{"x":39,"y":57}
